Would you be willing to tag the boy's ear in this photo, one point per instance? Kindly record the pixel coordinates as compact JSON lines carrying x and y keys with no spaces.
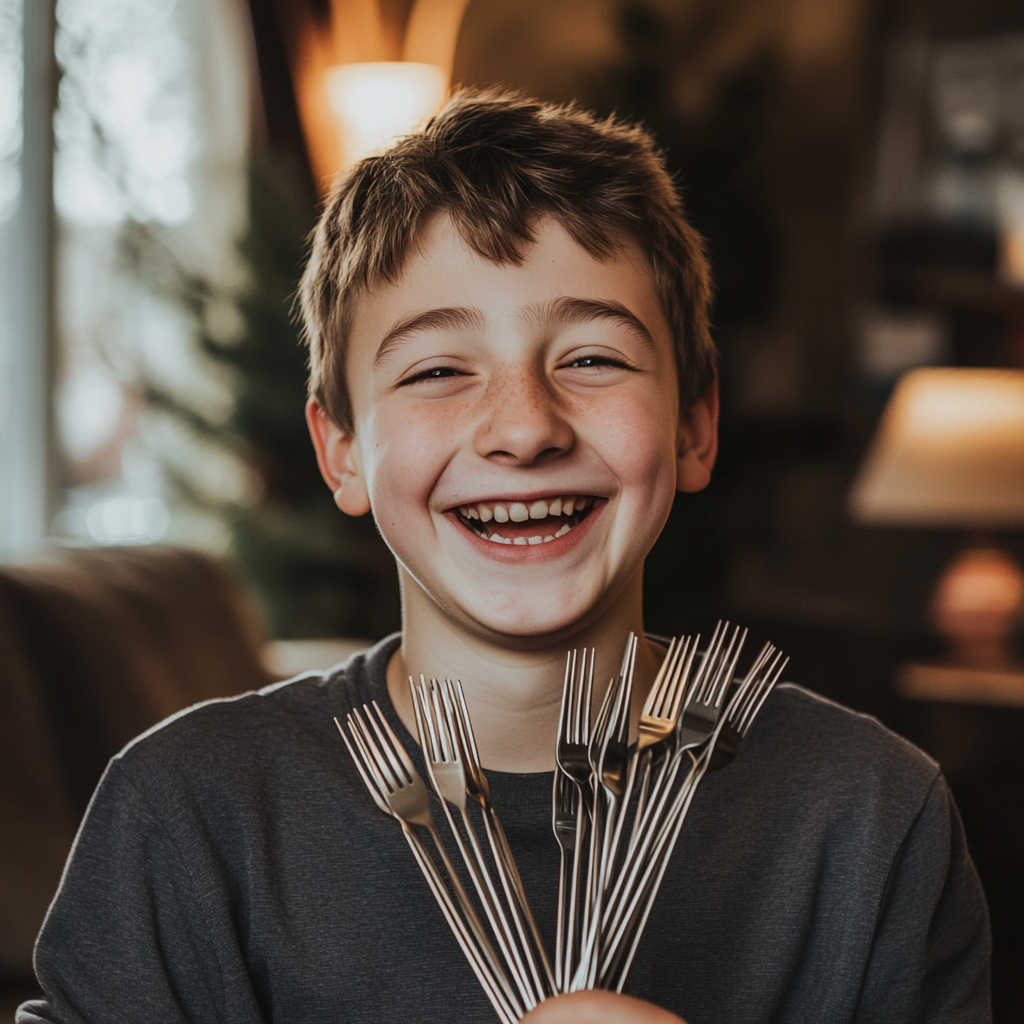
{"x":697,"y":444}
{"x":337,"y":455}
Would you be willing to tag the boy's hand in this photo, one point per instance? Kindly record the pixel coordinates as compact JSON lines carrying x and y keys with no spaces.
{"x":598,"y":1007}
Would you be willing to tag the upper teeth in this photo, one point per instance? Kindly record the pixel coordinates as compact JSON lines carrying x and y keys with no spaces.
{"x":519,"y":512}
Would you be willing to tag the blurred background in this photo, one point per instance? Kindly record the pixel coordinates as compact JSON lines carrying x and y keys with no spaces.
{"x":857,"y":168}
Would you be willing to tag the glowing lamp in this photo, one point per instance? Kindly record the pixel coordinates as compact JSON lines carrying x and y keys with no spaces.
{"x":377,"y":102}
{"x":949,"y":452}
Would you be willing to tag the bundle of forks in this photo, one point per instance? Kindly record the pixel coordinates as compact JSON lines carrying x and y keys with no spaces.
{"x":617,"y":809}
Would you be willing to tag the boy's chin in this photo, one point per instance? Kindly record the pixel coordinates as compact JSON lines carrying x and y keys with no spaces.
{"x":529,"y":629}
{"x":528,"y":619}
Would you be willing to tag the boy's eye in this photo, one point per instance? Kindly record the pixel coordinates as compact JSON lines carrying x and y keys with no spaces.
{"x":585,"y":361}
{"x":595,"y":361}
{"x":433,"y":373}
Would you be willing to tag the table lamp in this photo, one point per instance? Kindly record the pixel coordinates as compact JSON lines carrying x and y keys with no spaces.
{"x":949,"y":452}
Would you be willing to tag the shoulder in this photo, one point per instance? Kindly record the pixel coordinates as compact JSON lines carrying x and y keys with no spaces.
{"x":838,"y":776}
{"x":818,"y":732}
{"x":241,"y":722}
{"x":234,"y":742}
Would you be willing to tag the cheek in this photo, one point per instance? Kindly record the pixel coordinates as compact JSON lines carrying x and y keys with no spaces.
{"x":404,"y":454}
{"x":638,"y":441}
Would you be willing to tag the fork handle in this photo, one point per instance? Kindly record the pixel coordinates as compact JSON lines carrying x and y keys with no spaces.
{"x":503,"y":1002}
{"x":560,"y":935}
{"x":484,"y":884}
{"x":614,"y":974}
{"x":518,"y":902}
{"x":572,"y":932}
{"x":644,"y":763}
{"x":471,"y":915}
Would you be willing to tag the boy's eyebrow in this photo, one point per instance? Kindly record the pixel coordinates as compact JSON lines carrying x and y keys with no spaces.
{"x":565,"y":311}
{"x":448,"y":318}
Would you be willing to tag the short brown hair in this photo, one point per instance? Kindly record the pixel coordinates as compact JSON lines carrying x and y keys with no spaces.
{"x":495,"y":162}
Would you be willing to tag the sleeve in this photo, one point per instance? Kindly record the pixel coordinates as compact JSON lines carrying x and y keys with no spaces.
{"x":930,"y":960}
{"x":126,"y":938}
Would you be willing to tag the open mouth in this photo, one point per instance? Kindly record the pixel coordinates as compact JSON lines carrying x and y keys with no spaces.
{"x":516,"y":522}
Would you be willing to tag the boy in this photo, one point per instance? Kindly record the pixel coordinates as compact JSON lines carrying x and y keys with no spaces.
{"x":511,"y":369}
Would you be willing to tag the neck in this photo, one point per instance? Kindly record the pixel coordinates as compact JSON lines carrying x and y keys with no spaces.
{"x":513,"y":685}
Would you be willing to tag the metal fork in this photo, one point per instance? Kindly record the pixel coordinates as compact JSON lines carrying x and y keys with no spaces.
{"x":738,"y":718}
{"x":703,"y":705}
{"x":665,"y":700}
{"x":660,"y":714}
{"x":746,"y":703}
{"x":397,"y":789}
{"x":445,"y":763}
{"x":701,"y":711}
{"x":612,"y":765}
{"x":479,"y":790}
{"x":572,"y":784}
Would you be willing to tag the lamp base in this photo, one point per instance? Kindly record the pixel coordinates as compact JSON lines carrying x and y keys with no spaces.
{"x":977,"y":602}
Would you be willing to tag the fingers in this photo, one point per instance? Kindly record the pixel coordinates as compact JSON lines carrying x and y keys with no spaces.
{"x":598,"y":1007}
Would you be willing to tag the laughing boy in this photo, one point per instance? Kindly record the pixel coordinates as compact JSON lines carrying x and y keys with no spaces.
{"x":512,"y":370}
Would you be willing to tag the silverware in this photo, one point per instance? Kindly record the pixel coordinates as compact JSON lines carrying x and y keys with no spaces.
{"x":694,"y":720}
{"x":446,"y":768}
{"x":396,"y":787}
{"x":479,"y":790}
{"x":660,"y":714}
{"x":700,"y":710}
{"x":738,"y":718}
{"x":569,"y":801}
{"x":612,"y":769}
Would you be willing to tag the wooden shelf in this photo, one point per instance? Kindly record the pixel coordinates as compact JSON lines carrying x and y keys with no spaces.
{"x":957,"y":684}
{"x":956,"y":289}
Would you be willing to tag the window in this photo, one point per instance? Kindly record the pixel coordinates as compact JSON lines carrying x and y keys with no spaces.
{"x":150,"y":134}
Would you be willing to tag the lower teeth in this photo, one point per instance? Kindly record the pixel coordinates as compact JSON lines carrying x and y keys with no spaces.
{"x":498,"y":539}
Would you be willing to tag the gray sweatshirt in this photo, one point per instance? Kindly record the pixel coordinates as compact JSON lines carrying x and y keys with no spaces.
{"x":233,"y":868}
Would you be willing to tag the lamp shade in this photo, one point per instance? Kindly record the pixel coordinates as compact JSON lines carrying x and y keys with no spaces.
{"x":949,"y":452}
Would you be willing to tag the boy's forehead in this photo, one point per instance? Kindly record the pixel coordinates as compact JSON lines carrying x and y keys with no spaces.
{"x":443,"y":272}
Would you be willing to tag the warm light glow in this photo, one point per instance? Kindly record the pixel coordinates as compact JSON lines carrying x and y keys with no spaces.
{"x":949,"y":452}
{"x":378,"y":102}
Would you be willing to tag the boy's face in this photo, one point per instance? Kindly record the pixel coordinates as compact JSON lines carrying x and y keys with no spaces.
{"x":517,"y":429}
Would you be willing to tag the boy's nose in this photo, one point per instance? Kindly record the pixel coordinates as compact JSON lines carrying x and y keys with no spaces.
{"x":522,"y":422}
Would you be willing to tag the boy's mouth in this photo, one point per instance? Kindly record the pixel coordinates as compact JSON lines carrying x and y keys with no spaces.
{"x":523,"y":523}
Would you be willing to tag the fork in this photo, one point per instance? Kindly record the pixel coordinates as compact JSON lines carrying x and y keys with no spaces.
{"x":479,"y":790}
{"x":702,"y":704}
{"x":661,"y":710}
{"x":664,"y":702}
{"x":397,"y":789}
{"x":569,"y":806}
{"x":748,"y":699}
{"x":694,"y":724}
{"x":611,"y":765}
{"x":738,"y":719}
{"x":701,"y":710}
{"x":446,"y":769}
